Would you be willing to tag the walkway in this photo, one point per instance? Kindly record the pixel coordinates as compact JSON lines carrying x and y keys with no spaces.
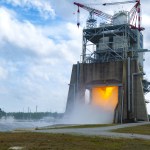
{"x":101,"y":131}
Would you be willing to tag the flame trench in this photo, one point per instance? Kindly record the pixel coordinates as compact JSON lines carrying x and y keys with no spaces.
{"x":105,"y":97}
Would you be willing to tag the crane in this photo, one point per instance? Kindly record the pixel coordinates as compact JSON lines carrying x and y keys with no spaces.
{"x":91,"y":22}
{"x":134,"y":14}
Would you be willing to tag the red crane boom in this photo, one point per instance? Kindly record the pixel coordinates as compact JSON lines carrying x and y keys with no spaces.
{"x":135,"y":13}
{"x":92,"y":11}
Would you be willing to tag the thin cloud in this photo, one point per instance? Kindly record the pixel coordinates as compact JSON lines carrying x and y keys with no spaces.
{"x":29,"y":37}
{"x":42,"y":6}
{"x":3,"y":73}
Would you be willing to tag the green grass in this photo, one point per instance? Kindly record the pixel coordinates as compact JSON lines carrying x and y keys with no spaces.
{"x":45,"y":141}
{"x":77,"y":126}
{"x":143,"y":129}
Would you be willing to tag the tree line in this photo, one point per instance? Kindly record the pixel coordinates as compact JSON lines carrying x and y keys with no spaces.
{"x":2,"y":113}
{"x":30,"y":115}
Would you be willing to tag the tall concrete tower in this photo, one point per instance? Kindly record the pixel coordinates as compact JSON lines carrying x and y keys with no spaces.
{"x":111,"y":69}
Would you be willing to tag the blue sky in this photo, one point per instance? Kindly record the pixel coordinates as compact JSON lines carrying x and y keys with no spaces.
{"x":39,"y":42}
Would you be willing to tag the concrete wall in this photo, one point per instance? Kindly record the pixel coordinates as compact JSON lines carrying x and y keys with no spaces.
{"x":84,"y":76}
{"x":139,"y":105}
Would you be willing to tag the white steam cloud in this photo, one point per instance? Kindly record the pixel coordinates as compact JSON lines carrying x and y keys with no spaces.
{"x":88,"y":114}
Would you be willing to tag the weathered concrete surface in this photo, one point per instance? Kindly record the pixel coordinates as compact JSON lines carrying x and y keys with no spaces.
{"x":101,"y":131}
{"x":110,"y":73}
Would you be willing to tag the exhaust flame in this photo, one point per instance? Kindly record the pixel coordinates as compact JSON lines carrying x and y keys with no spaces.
{"x":105,"y":97}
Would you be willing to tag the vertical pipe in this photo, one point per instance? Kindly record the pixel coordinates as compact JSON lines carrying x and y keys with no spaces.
{"x":132,"y":93}
{"x":122,"y":92}
{"x":83,"y":48}
{"x":90,"y":96}
{"x":78,"y":73}
{"x":129,"y":101}
{"x":124,"y":84}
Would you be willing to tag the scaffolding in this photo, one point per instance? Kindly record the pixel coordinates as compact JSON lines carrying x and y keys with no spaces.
{"x":111,"y":43}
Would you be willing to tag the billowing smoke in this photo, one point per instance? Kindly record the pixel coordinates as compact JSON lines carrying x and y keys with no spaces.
{"x":97,"y":108}
{"x":88,"y":114}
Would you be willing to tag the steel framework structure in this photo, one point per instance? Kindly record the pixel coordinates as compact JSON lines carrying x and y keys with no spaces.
{"x":121,"y":43}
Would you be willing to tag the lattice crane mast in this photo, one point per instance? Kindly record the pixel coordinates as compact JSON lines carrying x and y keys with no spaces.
{"x":91,"y":22}
{"x":134,"y":14}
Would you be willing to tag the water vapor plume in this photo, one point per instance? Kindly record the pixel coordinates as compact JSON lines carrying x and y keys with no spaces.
{"x":88,"y":114}
{"x":97,"y":108}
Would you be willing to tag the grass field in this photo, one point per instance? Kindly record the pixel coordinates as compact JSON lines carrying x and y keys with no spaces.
{"x":45,"y":141}
{"x":143,"y":129}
